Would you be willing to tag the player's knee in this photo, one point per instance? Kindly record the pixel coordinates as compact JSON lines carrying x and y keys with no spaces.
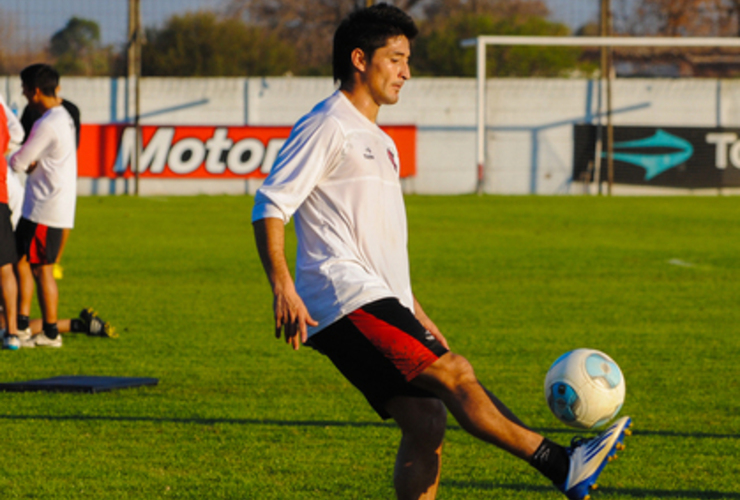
{"x":429,"y":423}
{"x":456,"y":371}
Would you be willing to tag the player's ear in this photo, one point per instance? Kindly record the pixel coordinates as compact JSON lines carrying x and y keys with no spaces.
{"x":358,"y":60}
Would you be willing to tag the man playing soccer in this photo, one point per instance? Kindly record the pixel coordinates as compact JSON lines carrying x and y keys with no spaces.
{"x":352,"y":298}
{"x":49,"y":156}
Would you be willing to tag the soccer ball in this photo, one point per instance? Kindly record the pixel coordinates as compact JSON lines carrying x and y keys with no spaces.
{"x":584,"y":388}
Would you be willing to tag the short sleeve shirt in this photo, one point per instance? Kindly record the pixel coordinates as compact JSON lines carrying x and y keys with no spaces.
{"x":338,"y":176}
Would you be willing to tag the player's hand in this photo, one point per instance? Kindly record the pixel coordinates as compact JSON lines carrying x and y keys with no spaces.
{"x":32,"y":167}
{"x":432,"y":328}
{"x":429,"y":324}
{"x":292,"y":318}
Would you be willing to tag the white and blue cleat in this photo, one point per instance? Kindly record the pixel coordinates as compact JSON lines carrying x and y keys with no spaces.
{"x":588,"y":457}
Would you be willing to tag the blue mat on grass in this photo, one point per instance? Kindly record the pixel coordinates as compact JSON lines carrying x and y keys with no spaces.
{"x":78,"y":383}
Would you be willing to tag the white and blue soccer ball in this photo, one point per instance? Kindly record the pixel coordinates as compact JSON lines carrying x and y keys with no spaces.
{"x":585,"y":388}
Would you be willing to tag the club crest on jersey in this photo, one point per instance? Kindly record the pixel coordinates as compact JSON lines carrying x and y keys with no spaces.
{"x":368,"y":154}
{"x":392,"y":158}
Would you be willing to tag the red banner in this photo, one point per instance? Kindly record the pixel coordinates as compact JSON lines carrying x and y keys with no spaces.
{"x":173,"y":152}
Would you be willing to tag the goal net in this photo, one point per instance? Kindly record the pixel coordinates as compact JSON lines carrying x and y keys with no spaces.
{"x":633,"y":135}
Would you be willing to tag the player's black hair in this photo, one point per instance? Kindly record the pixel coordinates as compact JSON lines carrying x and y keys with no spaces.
{"x":368,"y":29}
{"x":42,"y":77}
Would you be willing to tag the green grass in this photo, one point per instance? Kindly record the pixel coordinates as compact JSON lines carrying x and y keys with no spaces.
{"x":512,"y":281}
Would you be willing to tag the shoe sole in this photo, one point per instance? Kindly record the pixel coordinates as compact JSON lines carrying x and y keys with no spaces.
{"x":582,"y":490}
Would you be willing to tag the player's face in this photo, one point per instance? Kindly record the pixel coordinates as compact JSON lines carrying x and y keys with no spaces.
{"x":388,"y":70}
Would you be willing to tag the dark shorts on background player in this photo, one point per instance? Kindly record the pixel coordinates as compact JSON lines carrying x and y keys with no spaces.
{"x":8,"y":253}
{"x":39,"y":243}
{"x":380,"y":348}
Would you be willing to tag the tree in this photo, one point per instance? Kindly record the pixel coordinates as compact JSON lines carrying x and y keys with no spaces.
{"x":442,"y":9}
{"x":202,"y":44}
{"x":310,"y":26}
{"x":683,"y":17}
{"x":77,"y":50}
{"x":438,"y":52}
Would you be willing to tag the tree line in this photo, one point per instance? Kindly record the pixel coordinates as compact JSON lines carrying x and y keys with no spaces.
{"x":293,"y":37}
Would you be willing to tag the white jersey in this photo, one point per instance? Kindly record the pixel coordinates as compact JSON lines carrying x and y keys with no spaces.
{"x":51,"y":188}
{"x":338,"y":173}
{"x":14,"y":127}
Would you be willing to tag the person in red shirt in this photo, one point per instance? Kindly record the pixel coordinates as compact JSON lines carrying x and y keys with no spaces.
{"x":8,"y":255}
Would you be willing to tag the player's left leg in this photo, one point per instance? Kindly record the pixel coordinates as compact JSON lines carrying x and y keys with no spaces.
{"x":418,"y":463}
{"x":48,"y":293}
{"x":58,"y":269}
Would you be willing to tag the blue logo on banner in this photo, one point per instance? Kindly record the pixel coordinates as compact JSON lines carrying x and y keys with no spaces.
{"x":655,"y":164}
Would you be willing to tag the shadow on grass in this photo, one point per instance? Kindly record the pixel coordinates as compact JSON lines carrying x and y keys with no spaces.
{"x":622,"y":492}
{"x":200,"y":421}
{"x":648,"y":433}
{"x":325,"y":423}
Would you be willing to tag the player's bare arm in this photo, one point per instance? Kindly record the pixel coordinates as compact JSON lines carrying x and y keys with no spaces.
{"x":427,"y":323}
{"x":291,"y":315}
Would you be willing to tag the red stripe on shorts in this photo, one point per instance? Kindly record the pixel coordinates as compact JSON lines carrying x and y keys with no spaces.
{"x":408,"y":355}
{"x":37,"y":252}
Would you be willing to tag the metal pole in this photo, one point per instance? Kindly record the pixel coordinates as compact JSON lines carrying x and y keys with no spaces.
{"x":480,"y":53}
{"x":134,"y":71}
{"x":602,"y":77}
{"x":609,"y":121}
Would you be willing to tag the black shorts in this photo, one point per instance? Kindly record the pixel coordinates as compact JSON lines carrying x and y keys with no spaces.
{"x":8,"y":254}
{"x":39,"y":243}
{"x":380,"y":348}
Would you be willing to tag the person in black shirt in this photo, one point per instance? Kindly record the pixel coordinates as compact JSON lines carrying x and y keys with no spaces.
{"x":31,"y":114}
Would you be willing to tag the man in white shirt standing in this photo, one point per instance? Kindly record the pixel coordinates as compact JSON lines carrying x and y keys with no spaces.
{"x":337,"y":174}
{"x":49,"y":157}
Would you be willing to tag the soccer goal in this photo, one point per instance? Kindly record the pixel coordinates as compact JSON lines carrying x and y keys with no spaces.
{"x":679,"y":148}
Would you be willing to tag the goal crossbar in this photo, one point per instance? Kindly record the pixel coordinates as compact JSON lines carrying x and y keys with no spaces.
{"x":481,"y":42}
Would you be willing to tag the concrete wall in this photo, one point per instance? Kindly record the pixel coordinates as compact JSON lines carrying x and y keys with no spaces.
{"x":529,"y":135}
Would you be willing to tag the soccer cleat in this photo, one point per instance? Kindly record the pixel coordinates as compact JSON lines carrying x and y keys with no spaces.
{"x":95,"y":325}
{"x":588,"y":457}
{"x":26,"y":338}
{"x":10,"y":342}
{"x":41,"y":340}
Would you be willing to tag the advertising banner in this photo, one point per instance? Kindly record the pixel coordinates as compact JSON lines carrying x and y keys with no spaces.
{"x":172,"y":152}
{"x":685,"y":157}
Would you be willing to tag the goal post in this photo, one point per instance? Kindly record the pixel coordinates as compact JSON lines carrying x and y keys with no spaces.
{"x":481,"y":42}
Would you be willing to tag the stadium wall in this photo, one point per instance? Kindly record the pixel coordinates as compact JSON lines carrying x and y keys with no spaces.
{"x":529,"y":136}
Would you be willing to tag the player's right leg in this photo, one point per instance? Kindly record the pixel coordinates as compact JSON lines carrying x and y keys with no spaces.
{"x":25,"y":233}
{"x":9,"y":302}
{"x":378,"y":348}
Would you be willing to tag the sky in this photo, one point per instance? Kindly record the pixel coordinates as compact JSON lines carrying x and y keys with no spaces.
{"x":34,"y":21}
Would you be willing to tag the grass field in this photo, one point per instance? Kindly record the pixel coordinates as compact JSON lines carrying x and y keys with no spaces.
{"x":513,"y":282}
